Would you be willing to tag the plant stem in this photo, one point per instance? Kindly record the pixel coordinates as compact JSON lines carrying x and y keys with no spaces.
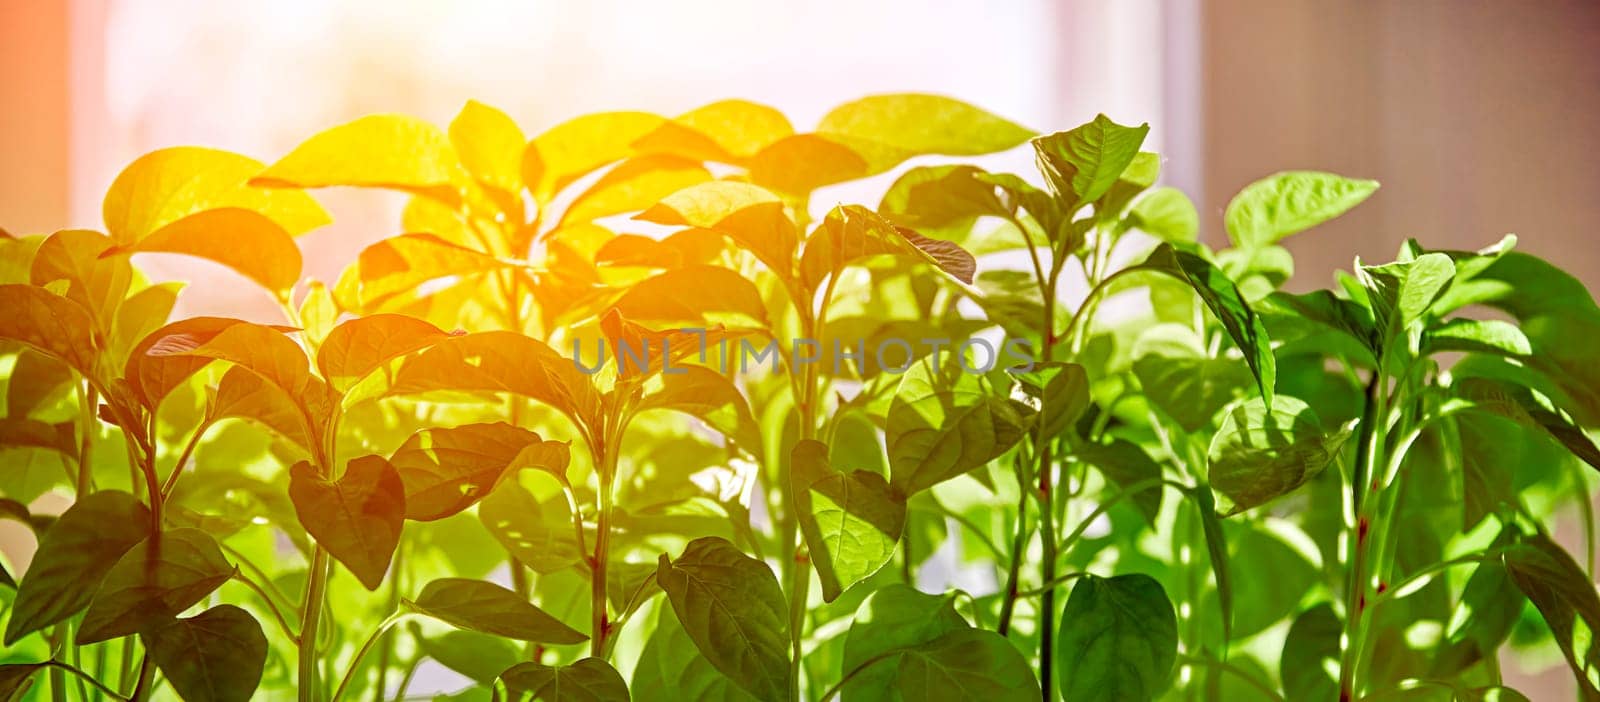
{"x":1233,"y":670}
{"x":91,"y":400}
{"x":385,"y":643}
{"x":599,"y":623}
{"x":1364,"y":506}
{"x":1019,"y":541}
{"x":310,"y":618}
{"x":355,"y":663}
{"x":147,"y":674}
{"x":283,"y":623}
{"x":58,"y":666}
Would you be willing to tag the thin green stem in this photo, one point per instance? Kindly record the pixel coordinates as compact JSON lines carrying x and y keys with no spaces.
{"x":91,"y":400}
{"x":85,"y":677}
{"x":183,"y":458}
{"x":1052,"y":585}
{"x":1233,"y":670}
{"x":372,"y":639}
{"x":310,"y":619}
{"x":868,"y":663}
{"x":147,"y":675}
{"x":283,"y":622}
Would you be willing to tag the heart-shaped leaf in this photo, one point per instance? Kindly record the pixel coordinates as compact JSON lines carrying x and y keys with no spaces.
{"x":1258,"y":455}
{"x":153,"y":582}
{"x":944,"y":422}
{"x":851,"y":521}
{"x":447,"y":470}
{"x":1118,"y":640}
{"x":214,"y":656}
{"x":356,"y":516}
{"x":587,"y":680}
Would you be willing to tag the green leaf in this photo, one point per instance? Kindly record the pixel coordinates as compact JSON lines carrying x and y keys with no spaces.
{"x":1062,"y":393}
{"x":1258,"y":455}
{"x":356,"y":516}
{"x":1285,"y":204}
{"x":74,"y":555}
{"x":944,"y":422}
{"x":1401,"y":293}
{"x":1489,"y":608}
{"x":894,"y":619}
{"x":851,"y":522}
{"x":941,"y":196}
{"x":709,"y":396}
{"x":1477,"y":336}
{"x":1217,"y":552}
{"x":670,"y":668}
{"x":1082,"y":164}
{"x":152,"y":583}
{"x":490,"y":609}
{"x":446,"y":470}
{"x":734,"y":610}
{"x":751,"y":216}
{"x":1166,"y":214}
{"x":359,"y":346}
{"x":913,"y":124}
{"x":1177,"y":377}
{"x":853,"y":233}
{"x":1566,"y":597}
{"x":588,"y":680}
{"x":214,"y":656}
{"x":967,"y":664}
{"x":1118,"y":639}
{"x":1310,"y":652}
{"x":1230,"y":308}
{"x":537,"y":530}
{"x":1125,"y":464}
{"x":480,"y":657}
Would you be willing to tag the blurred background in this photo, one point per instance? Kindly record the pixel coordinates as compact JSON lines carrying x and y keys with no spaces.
{"x":1477,"y":117}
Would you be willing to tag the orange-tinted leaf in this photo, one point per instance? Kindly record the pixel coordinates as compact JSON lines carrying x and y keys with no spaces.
{"x":802,"y":163}
{"x":446,"y":470}
{"x":634,"y":185}
{"x":153,"y":376}
{"x":376,"y":151}
{"x":168,"y":185}
{"x":73,"y":256}
{"x":637,"y":349}
{"x":703,"y":393}
{"x":153,"y":582}
{"x":499,"y":361}
{"x":751,"y":216}
{"x":636,"y":250}
{"x":490,"y":145}
{"x":260,"y":349}
{"x":16,"y":258}
{"x":246,"y":241}
{"x":245,"y":395}
{"x":359,"y":346}
{"x":915,"y":124}
{"x":49,"y":323}
{"x":573,"y":148}
{"x":357,"y":516}
{"x":401,"y":263}
{"x":32,"y":433}
{"x":695,"y":295}
{"x":852,"y":233}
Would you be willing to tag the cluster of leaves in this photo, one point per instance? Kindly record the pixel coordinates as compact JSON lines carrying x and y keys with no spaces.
{"x":1241,"y":493}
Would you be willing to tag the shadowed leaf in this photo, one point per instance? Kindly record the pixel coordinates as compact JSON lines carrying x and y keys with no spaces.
{"x":356,"y":516}
{"x":488,"y":608}
{"x":734,"y":610}
{"x":157,"y":580}
{"x":215,"y":656}
{"x":74,"y":555}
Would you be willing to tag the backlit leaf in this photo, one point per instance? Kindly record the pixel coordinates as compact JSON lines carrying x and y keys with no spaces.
{"x":1167,"y":214}
{"x":1401,"y":293}
{"x":75,"y":258}
{"x":1259,"y":455}
{"x":802,"y":163}
{"x":1118,"y":640}
{"x":400,"y":264}
{"x":670,"y":668}
{"x":246,"y":241}
{"x":573,"y":148}
{"x":634,"y":185}
{"x":966,"y":664}
{"x":851,"y":522}
{"x":701,"y":294}
{"x":1222,"y":297}
{"x":1124,"y":464}
{"x":490,"y":609}
{"x":735,"y":612}
{"x":705,"y":394}
{"x":537,"y":531}
{"x":168,"y":185}
{"x":74,"y":555}
{"x":357,"y":516}
{"x":359,"y":346}
{"x":739,"y":127}
{"x":751,"y":216}
{"x":446,"y":470}
{"x":944,"y":422}
{"x":376,"y":151}
{"x":894,"y":619}
{"x":1479,"y":335}
{"x":50,"y":324}
{"x":1082,"y":164}
{"x":923,"y":124}
{"x":215,"y":656}
{"x":153,"y":582}
{"x":1566,"y":598}
{"x":500,"y":362}
{"x":1285,"y":204}
{"x":853,"y":233}
{"x":587,"y":680}
{"x":490,"y":145}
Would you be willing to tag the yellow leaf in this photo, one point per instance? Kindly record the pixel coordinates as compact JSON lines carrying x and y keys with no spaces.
{"x":804,"y":162}
{"x":49,"y":323}
{"x":245,"y":395}
{"x":399,"y":264}
{"x":359,"y":346}
{"x":74,"y":256}
{"x":694,"y":295}
{"x":245,"y":241}
{"x":751,"y":216}
{"x":490,"y":145}
{"x":151,"y":376}
{"x":165,"y":186}
{"x":918,"y":124}
{"x":376,"y":151}
{"x":573,"y":148}
{"x":143,"y":312}
{"x":500,"y":361}
{"x":260,"y":349}
{"x":853,"y":233}
{"x":634,"y":185}
{"x":741,"y":128}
